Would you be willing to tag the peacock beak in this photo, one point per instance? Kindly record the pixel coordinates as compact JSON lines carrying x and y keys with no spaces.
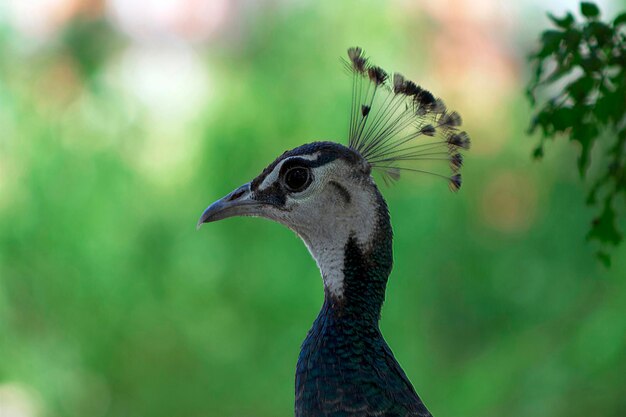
{"x":237,"y":203}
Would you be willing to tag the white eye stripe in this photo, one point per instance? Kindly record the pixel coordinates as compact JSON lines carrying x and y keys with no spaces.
{"x":273,"y":176}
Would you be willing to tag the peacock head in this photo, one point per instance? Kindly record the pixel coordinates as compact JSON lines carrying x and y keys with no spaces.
{"x":324,"y":191}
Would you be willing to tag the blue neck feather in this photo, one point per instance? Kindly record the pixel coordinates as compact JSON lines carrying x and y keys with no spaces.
{"x":345,"y":367}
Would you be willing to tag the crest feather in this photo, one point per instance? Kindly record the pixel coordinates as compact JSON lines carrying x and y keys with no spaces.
{"x":396,"y":124}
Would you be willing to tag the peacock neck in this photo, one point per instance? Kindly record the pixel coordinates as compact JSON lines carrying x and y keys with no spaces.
{"x":364,"y":273}
{"x":366,"y":269}
{"x":345,"y":344}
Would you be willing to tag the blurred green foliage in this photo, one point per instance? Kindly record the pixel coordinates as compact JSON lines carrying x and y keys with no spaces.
{"x":112,"y":304}
{"x":589,"y":59}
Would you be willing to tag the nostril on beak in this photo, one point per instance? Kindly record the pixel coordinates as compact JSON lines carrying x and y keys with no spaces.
{"x":235,"y":195}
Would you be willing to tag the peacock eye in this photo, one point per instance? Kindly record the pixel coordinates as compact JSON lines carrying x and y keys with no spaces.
{"x":297,"y":179}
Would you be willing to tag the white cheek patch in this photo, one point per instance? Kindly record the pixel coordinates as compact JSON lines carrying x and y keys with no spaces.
{"x":330,"y":223}
{"x":273,"y":176}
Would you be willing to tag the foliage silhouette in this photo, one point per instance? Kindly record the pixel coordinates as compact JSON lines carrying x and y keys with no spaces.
{"x":582,"y":65}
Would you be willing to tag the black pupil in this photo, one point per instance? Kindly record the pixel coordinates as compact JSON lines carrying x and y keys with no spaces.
{"x":296,"y":178}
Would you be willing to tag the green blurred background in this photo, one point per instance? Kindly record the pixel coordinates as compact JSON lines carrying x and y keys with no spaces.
{"x":120,"y":121}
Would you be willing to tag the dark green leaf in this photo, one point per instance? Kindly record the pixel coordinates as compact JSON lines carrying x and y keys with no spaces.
{"x":620,"y":20}
{"x":563,"y":118}
{"x":618,"y":59}
{"x":572,"y":39}
{"x":585,"y":134}
{"x":610,"y":107}
{"x":580,"y":88}
{"x":591,"y":64}
{"x":604,"y":228}
{"x":599,"y":31}
{"x":551,"y":40}
{"x":589,"y":9}
{"x":564,"y":22}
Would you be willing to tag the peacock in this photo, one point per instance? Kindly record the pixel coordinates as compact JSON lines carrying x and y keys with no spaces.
{"x":325,"y":193}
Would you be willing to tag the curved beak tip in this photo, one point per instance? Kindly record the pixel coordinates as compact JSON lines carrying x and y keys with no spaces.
{"x":209,"y":214}
{"x":236,"y":203}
